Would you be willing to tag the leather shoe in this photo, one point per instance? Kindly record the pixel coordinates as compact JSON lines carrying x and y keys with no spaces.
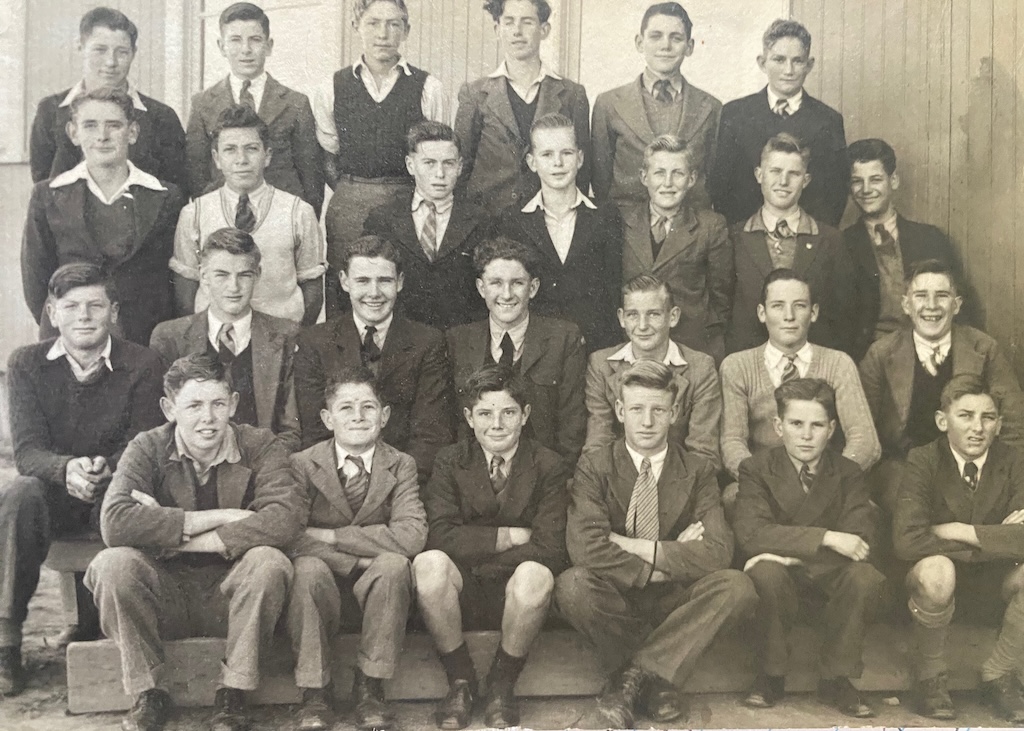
{"x":662,"y":702}
{"x":840,"y":693}
{"x":372,"y":712}
{"x":12,"y":672}
{"x":617,"y":704}
{"x":317,"y":711}
{"x":933,"y":698}
{"x":1005,"y":695}
{"x":501,"y":709}
{"x":766,"y":691}
{"x":149,"y":712}
{"x":230,"y":715}
{"x":455,"y":709}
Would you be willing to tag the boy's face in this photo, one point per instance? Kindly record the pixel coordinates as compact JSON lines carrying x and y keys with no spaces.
{"x":555,"y":157}
{"x":246,"y":47}
{"x":202,"y":410}
{"x":507,"y":288}
{"x":648,"y":320}
{"x":668,"y":178}
{"x":242,"y":158}
{"x":84,"y":317}
{"x":664,"y":44}
{"x":786,"y":64}
{"x":971,"y":423}
{"x":103,"y":132}
{"x":356,"y":416}
{"x":382,"y":29}
{"x":805,"y":430}
{"x":497,"y":420}
{"x":788,"y":314}
{"x":373,"y":284}
{"x":931,"y":303}
{"x":783,"y":177}
{"x":228,"y":281}
{"x":520,"y":31}
{"x":436,"y":166}
{"x":646,"y":415}
{"x":106,"y":58}
{"x":872,"y":188}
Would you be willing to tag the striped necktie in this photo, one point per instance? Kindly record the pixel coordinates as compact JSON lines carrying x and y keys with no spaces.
{"x":245,"y":217}
{"x":356,"y":485}
{"x":782,"y":108}
{"x":428,"y":235}
{"x":226,"y":339}
{"x":790,"y":371}
{"x":245,"y":97}
{"x":806,"y":478}
{"x":642,"y":514}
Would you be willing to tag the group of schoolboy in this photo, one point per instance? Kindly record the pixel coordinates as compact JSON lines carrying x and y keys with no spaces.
{"x":251,"y":468}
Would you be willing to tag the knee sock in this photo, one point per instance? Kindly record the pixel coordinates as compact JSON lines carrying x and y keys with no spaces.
{"x":930,"y":631}
{"x":458,"y":665}
{"x":1009,"y":650}
{"x":504,"y":670}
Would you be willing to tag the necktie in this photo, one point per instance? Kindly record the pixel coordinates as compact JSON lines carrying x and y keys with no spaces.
{"x":497,"y":476}
{"x":642,"y":514}
{"x":659,"y":232}
{"x":370,"y":352}
{"x":663,"y":90}
{"x":782,"y":108}
{"x":790,"y":371}
{"x":806,"y":479}
{"x":971,"y":475}
{"x":428,"y":235}
{"x":508,"y":351}
{"x":245,"y":218}
{"x":887,"y":244}
{"x":245,"y":97}
{"x":782,"y":232}
{"x":226,"y":338}
{"x":356,"y":485}
{"x":933,"y":361}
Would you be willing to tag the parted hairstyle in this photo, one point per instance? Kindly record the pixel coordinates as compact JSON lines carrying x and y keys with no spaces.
{"x":359,"y":8}
{"x":371,"y":247}
{"x":502,"y":247}
{"x":782,"y":28}
{"x":233,"y":241}
{"x":785,"y":142}
{"x":240,"y":116}
{"x":117,"y":97}
{"x":782,"y":274}
{"x":931,"y":266}
{"x":873,"y":149}
{"x":493,"y":378}
{"x":649,"y":374}
{"x":80,"y":274}
{"x":967,"y":384}
{"x":647,"y":283}
{"x":194,"y":367}
{"x":497,"y":7}
{"x":553,"y":120}
{"x":356,"y":374}
{"x":107,"y":18}
{"x":671,"y":143}
{"x":806,"y":389}
{"x":245,"y":11}
{"x":674,"y":10}
{"x":430,"y":131}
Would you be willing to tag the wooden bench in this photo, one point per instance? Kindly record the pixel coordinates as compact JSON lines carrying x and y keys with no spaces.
{"x":70,"y":555}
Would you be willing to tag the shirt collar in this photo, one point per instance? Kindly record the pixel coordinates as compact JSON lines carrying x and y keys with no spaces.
{"x":960,"y":461}
{"x":442,"y":207}
{"x":812,"y":467}
{"x":507,"y":456}
{"x":382,"y":328}
{"x":889,"y":223}
{"x":517,"y":332}
{"x":545,"y":70}
{"x":81,"y":172}
{"x":648,"y":78}
{"x":228,"y":451}
{"x":255,"y":85}
{"x":242,"y":327}
{"x":794,"y":101}
{"x":774,"y":357}
{"x":357,"y":68}
{"x":366,"y":456}
{"x":799,"y":222}
{"x":538,"y":202}
{"x":255,"y":197}
{"x":58,"y":350}
{"x":78,"y":89}
{"x":674,"y":356}
{"x":657,"y":461}
{"x":925,"y":347}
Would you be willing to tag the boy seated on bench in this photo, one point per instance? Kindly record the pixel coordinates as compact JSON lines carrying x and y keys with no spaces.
{"x":352,"y":567}
{"x":803,"y":520}
{"x":496,"y":504}
{"x":195,"y":517}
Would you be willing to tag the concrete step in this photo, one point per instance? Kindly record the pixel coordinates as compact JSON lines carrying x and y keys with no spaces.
{"x":561,"y":664}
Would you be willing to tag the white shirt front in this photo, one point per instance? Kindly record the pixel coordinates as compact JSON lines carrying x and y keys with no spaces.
{"x":381,"y":333}
{"x":81,"y":172}
{"x":961,"y":462}
{"x":771,"y":221}
{"x":241,"y":331}
{"x":78,"y":89}
{"x":57,"y":350}
{"x":793,"y":102}
{"x":674,"y":356}
{"x":443,"y":214}
{"x":516,"y":333}
{"x":507,"y":456}
{"x":776,"y":361}
{"x":529,"y":92}
{"x":657,"y":461}
{"x":349,"y":469}
{"x":889,"y":224}
{"x":561,"y":226}
{"x":256,"y":88}
{"x":925,"y":348}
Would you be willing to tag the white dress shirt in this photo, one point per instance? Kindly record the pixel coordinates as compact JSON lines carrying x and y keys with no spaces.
{"x":561,"y":226}
{"x":776,"y":361}
{"x":442,"y":216}
{"x":81,"y":172}
{"x":506,"y":455}
{"x":256,"y":88}
{"x":657,"y":461}
{"x":349,"y":469}
{"x":961,"y":462}
{"x":925,"y":348}
{"x":889,"y":224}
{"x":57,"y":350}
{"x":79,"y":89}
{"x":517,"y":334}
{"x":676,"y":83}
{"x":241,"y":331}
{"x":674,"y":356}
{"x":793,"y":102}
{"x":529,"y":92}
{"x":381,"y":333}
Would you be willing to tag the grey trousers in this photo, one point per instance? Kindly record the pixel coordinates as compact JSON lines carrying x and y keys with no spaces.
{"x":144,"y":601}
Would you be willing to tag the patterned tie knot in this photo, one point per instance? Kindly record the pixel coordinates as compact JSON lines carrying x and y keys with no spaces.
{"x":790,"y":371}
{"x":245,"y":217}
{"x":645,"y":467}
{"x":431,"y":206}
{"x":782,"y":229}
{"x":660,"y":227}
{"x":226,"y":338}
{"x":357,"y":462}
{"x":782,"y":107}
{"x":245,"y":97}
{"x":971,"y":475}
{"x":806,"y":478}
{"x":497,"y":462}
{"x":663,"y":90}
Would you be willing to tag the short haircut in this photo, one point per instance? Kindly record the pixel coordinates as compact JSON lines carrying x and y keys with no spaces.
{"x":931,"y":266}
{"x":781,"y":28}
{"x":649,"y":374}
{"x":806,"y":389}
{"x":785,"y":142}
{"x":501,"y":247}
{"x":356,"y":374}
{"x":80,"y":274}
{"x":493,"y":378}
{"x":359,"y":8}
{"x":783,"y":275}
{"x":117,"y":97}
{"x":240,"y":116}
{"x":647,"y":283}
{"x":674,"y":10}
{"x":232,"y":240}
{"x":107,"y":18}
{"x":496,"y":8}
{"x":553,"y":120}
{"x":873,"y":149}
{"x":430,"y":131}
{"x":245,"y":11}
{"x":371,"y":247}
{"x":967,"y":384}
{"x":194,"y":367}
{"x":671,"y":143}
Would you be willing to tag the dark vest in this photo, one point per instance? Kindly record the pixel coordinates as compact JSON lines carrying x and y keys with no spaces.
{"x":924,"y":402}
{"x":371,"y":136}
{"x":240,"y":368}
{"x":523,"y":112}
{"x":111,"y":227}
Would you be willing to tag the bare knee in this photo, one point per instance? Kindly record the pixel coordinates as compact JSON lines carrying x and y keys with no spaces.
{"x":932,"y":581}
{"x":434,"y":574}
{"x":531,"y":585}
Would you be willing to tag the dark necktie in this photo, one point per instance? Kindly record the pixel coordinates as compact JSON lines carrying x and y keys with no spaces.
{"x":370,"y":352}
{"x":806,"y":479}
{"x":498,"y":478}
{"x":663,"y":91}
{"x":356,"y":485}
{"x":782,"y":108}
{"x":887,"y":244}
{"x":428,"y":236}
{"x":659,"y":233}
{"x":245,"y":97}
{"x":642,"y":513}
{"x":790,"y":371}
{"x":508,"y":351}
{"x":245,"y":218}
{"x":971,"y":475}
{"x":781,"y":233}
{"x":226,"y":340}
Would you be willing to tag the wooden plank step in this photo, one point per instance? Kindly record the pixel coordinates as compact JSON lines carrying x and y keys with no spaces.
{"x":561,"y":664}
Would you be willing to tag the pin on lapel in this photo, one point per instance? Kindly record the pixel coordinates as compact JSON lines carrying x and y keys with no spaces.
{"x":808,"y":245}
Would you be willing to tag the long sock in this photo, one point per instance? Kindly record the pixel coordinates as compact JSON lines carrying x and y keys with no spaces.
{"x":458,"y":665}
{"x":930,"y":632}
{"x":1008,"y":653}
{"x":505,"y":669}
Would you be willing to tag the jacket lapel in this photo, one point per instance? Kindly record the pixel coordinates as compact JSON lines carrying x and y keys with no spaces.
{"x":326,"y":480}
{"x":69,"y":204}
{"x":196,"y":336}
{"x":630,"y":107}
{"x":899,"y":373}
{"x":272,"y":104}
{"x":581,"y":235}
{"x":266,"y":367}
{"x":469,"y":350}
{"x":176,"y":481}
{"x":395,"y":346}
{"x":638,"y":235}
{"x":459,"y":227}
{"x":824,"y":491}
{"x":674,"y":488}
{"x":694,"y":113}
{"x":549,"y":98}
{"x":861,"y":248}
{"x":679,"y":239}
{"x":147,"y":207}
{"x":807,"y":248}
{"x":954,"y":489}
{"x":474,"y":482}
{"x":753,"y":242}
{"x":785,"y":485}
{"x":522,"y":477}
{"x":536,"y":229}
{"x":346,"y":340}
{"x":623,"y":477}
{"x":991,"y":485}
{"x":405,"y":228}
{"x":966,"y":359}
{"x":232,"y":484}
{"x":382,"y":482}
{"x":498,"y":103}
{"x":534,"y":347}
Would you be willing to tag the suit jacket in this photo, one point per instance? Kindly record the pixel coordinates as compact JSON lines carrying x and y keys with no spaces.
{"x":494,"y":170}
{"x":261,"y":481}
{"x":933,"y":492}
{"x":465,"y":514}
{"x":700,"y":402}
{"x":917,"y":241}
{"x":56,"y":233}
{"x":552,"y":363}
{"x":391,"y":519}
{"x":273,"y":349}
{"x":621,"y":132}
{"x":822,"y":260}
{"x":747,"y":124}
{"x":775,"y":515}
{"x":159,"y":150}
{"x":687,"y":492}
{"x":696,"y":261}
{"x":414,"y":377}
{"x":584,"y":289}
{"x":442,"y":292}
{"x":296,"y":165}
{"x":887,"y":373}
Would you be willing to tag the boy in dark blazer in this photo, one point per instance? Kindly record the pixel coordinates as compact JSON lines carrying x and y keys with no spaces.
{"x":783,"y":106}
{"x":804,"y":525}
{"x":296,"y":166}
{"x":107,"y":41}
{"x":660,"y":101}
{"x":257,"y":349}
{"x":960,"y":518}
{"x":365,"y":523}
{"x":435,"y":231}
{"x":495,"y":113}
{"x":578,"y":242}
{"x":547,"y":352}
{"x":496,"y":505}
{"x":650,"y":585}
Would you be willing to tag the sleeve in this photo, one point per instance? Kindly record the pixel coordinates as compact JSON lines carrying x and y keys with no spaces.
{"x":706,"y":416}
{"x":323,"y":116}
{"x":720,"y":169}
{"x":448,"y":530}
{"x":735,"y":415}
{"x":721,"y":275}
{"x":434,"y":101}
{"x":197,"y":150}
{"x":601,"y":419}
{"x":430,"y":419}
{"x":572,"y":412}
{"x":34,"y":455}
{"x":841,"y":305}
{"x":872,"y":381}
{"x":1001,"y":379}
{"x":614,"y":235}
{"x":581,"y":124}
{"x":287,"y":425}
{"x":468,"y":126}
{"x":38,"y":253}
{"x":912,"y":519}
{"x":837,"y":181}
{"x":309,"y":247}
{"x":310,"y":380}
{"x":144,"y":410}
{"x":862,"y":444}
{"x":603,"y":140}
{"x":185,"y":261}
{"x":308,"y":156}
{"x":42,"y":147}
{"x":170,"y":145}
{"x":858,"y":515}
